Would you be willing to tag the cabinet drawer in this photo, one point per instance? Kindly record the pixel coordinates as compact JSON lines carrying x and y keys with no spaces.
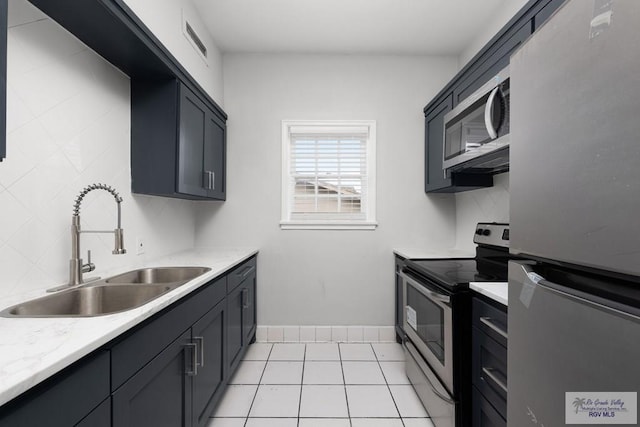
{"x":240,"y":274}
{"x":485,"y":415}
{"x":137,"y":348}
{"x":489,"y":370}
{"x":490,"y":320}
{"x":64,"y":399}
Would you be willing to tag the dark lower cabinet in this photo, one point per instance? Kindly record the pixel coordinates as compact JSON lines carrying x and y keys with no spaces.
{"x":171,"y":370}
{"x":208,"y":384}
{"x":489,"y":363}
{"x":160,"y":394}
{"x":99,"y":417}
{"x":241,"y":312}
{"x":66,"y":399}
{"x":485,"y":415}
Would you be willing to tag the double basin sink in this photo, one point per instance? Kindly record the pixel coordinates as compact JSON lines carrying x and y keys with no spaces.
{"x":112,"y":295}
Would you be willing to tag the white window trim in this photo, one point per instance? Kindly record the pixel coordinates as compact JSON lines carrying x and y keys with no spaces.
{"x":369,"y":223}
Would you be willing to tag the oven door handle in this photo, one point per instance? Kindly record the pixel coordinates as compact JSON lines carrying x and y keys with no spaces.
{"x":439,"y":298}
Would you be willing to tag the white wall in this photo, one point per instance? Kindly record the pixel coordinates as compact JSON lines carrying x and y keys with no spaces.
{"x":68,"y":125}
{"x":491,"y":28}
{"x":164,"y":19}
{"x":328,"y":277}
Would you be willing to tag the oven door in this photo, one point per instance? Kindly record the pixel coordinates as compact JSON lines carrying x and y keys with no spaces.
{"x":428,"y":324}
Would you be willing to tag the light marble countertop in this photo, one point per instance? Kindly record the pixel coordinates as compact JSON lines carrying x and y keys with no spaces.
{"x":497,"y":291}
{"x":33,"y":349}
{"x":421,"y":253}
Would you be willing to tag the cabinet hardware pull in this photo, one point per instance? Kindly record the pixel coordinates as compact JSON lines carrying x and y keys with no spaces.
{"x":245,"y":298}
{"x":213,"y":180}
{"x":486,"y":321}
{"x":201,"y":340}
{"x":245,"y":272}
{"x":194,"y":360}
{"x":488,"y":372}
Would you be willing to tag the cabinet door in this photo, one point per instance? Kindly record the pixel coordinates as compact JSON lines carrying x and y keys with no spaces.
{"x":485,"y":415}
{"x":249,"y":308}
{"x":214,"y":157}
{"x":544,"y":14}
{"x":160,"y":393}
{"x":209,"y":334}
{"x":99,"y":417}
{"x":434,"y":138}
{"x":234,"y":328}
{"x":491,"y":63}
{"x":191,"y":141}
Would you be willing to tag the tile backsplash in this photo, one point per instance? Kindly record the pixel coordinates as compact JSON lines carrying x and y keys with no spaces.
{"x":68,"y":125}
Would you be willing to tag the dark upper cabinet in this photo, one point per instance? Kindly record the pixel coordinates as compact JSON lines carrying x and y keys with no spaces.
{"x":435,"y":179}
{"x":492,"y":58}
{"x":111,"y":29}
{"x":491,"y":62}
{"x":178,"y":143}
{"x":544,"y":13}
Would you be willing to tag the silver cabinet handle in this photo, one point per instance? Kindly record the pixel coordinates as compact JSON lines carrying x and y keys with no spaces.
{"x":487,"y":321}
{"x":208,"y":180}
{"x":245,"y":298}
{"x":489,"y":373}
{"x":488,"y":120}
{"x":245,"y":272}
{"x":194,"y":361}
{"x":201,"y":341}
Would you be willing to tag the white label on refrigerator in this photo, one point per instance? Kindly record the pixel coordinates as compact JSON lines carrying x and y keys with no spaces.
{"x":412,"y":318}
{"x":595,"y":407}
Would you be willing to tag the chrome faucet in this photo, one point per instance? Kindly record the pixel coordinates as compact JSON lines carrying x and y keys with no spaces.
{"x":76,"y":265}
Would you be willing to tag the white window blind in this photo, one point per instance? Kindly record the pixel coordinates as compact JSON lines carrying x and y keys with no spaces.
{"x":328,"y":176}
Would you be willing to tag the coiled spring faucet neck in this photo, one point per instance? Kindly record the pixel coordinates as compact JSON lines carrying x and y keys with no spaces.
{"x":76,"y":266}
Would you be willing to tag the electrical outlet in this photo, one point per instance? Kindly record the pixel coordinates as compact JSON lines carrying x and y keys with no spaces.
{"x":139,"y":246}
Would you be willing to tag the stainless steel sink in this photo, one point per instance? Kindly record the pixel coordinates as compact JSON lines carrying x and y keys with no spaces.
{"x":159,"y":275}
{"x":112,"y":295}
{"x":89,"y":301}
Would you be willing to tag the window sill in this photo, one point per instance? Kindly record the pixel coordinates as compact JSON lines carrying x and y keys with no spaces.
{"x":319,"y":225}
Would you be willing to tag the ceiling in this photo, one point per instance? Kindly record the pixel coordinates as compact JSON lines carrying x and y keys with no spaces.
{"x":431,"y":27}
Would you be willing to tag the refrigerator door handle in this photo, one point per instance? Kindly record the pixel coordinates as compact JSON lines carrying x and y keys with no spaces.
{"x":595,"y":301}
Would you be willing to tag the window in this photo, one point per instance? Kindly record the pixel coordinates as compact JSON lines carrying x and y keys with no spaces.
{"x":328,"y":176}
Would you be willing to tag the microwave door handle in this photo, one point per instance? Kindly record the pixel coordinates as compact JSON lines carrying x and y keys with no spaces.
{"x":488,"y":108}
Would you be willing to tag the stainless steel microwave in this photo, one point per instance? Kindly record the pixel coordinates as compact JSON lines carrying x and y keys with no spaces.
{"x":476,"y":132}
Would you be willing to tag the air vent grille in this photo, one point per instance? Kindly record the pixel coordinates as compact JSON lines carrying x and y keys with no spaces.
{"x":196,"y":40}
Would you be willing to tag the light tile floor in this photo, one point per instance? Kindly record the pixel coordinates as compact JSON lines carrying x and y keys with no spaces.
{"x":321,"y":385}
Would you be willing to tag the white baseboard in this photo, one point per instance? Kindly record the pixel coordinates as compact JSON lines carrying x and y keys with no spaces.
{"x":269,"y":333}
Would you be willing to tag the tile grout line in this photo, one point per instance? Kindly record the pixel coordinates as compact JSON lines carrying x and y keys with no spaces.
{"x":344,"y":384}
{"x":388,"y":386}
{"x":246,"y":420}
{"x":304,"y":362}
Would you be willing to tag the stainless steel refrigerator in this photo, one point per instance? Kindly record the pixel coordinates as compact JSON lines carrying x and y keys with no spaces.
{"x":574,"y":311}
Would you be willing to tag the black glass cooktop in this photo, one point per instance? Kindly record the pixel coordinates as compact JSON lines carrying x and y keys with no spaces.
{"x":456,"y":273}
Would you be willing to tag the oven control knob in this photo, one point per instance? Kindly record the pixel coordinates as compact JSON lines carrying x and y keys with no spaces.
{"x":486,"y":232}
{"x":479,"y":231}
